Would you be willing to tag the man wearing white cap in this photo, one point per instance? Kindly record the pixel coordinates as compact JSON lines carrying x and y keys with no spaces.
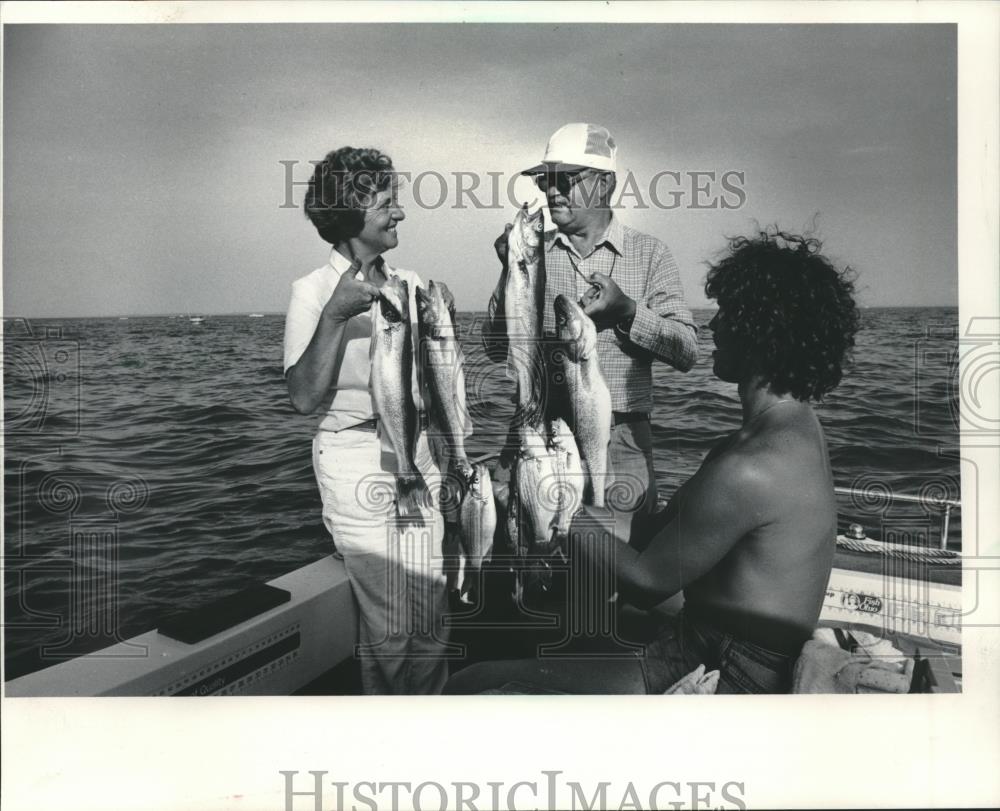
{"x":630,"y":287}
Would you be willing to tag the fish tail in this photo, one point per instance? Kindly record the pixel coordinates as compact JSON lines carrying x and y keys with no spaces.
{"x":535,"y":407}
{"x":451,"y":547}
{"x":559,"y":542}
{"x":411,"y":495}
{"x":591,"y":485}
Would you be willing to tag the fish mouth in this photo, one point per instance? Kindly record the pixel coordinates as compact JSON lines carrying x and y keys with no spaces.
{"x":563,"y":308}
{"x":393,"y":299}
{"x":389,"y":311}
{"x":536,"y":222}
{"x":423,"y":297}
{"x":531,"y":217}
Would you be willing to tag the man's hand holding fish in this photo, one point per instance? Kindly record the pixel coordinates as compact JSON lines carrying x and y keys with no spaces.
{"x":606,"y":304}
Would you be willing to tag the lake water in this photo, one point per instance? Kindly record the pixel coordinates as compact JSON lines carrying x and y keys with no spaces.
{"x":174,"y":445}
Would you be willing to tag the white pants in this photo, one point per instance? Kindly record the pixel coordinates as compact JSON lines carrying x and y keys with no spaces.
{"x":395,"y":569}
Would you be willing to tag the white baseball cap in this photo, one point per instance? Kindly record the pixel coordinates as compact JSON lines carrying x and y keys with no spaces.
{"x":576,"y":146}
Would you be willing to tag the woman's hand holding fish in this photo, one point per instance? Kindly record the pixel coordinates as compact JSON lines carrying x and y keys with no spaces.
{"x":350,"y":297}
{"x":605,"y":302}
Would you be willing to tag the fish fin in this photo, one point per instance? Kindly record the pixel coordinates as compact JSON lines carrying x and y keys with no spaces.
{"x":421,"y":360}
{"x":517,"y":591}
{"x":551,"y":434}
{"x":480,"y":480}
{"x":411,"y":495}
{"x":437,"y":445}
{"x":514,"y":523}
{"x":372,"y":346}
{"x":373,"y":340}
{"x":458,"y":484}
{"x":559,"y":543}
{"x":471,"y":587}
{"x":451,"y":549}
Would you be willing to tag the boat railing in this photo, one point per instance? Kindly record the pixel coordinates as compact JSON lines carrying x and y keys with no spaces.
{"x":876,"y":495}
{"x":870,"y":494}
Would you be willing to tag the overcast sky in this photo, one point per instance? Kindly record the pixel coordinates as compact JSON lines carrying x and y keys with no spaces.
{"x":143,"y":174}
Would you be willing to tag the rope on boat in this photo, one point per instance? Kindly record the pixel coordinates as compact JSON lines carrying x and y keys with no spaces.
{"x":914,"y":553}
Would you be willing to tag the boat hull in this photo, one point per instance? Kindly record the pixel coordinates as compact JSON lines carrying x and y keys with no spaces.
{"x":920,"y":609}
{"x":275,"y":653}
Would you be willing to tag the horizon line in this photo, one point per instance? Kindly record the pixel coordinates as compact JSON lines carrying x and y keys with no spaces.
{"x":206,"y":314}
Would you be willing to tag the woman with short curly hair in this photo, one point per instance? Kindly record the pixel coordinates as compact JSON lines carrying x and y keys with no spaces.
{"x":399,"y":587}
{"x":342,"y":187}
{"x":748,"y":539}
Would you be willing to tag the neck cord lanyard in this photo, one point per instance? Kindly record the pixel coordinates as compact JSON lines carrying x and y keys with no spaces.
{"x":576,"y":267}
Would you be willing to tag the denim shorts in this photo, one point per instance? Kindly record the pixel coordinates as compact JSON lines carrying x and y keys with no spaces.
{"x":687,"y":641}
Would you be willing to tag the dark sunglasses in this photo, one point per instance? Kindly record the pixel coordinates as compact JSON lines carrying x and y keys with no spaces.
{"x":563,"y":181}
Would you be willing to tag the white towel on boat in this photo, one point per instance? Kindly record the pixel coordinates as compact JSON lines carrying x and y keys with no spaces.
{"x":874,"y":666}
{"x":697,"y":682}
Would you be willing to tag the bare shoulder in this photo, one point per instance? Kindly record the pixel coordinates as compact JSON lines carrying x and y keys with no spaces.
{"x":735,"y":472}
{"x":762,"y":463}
{"x":787,"y":455}
{"x":786,"y":434}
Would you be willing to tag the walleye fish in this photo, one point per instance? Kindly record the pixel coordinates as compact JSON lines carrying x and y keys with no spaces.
{"x":443,"y":388}
{"x":524,"y":303}
{"x":391,"y":375}
{"x":549,"y":485}
{"x":443,"y":381}
{"x":478,"y":519}
{"x":589,"y":400}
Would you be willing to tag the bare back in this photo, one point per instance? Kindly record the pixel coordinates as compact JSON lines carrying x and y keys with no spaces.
{"x":779,"y":569}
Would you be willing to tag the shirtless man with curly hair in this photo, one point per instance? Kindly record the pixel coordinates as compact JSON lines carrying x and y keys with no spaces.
{"x":749,"y":539}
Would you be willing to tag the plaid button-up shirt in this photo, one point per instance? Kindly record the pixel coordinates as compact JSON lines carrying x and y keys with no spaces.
{"x":663,"y":328}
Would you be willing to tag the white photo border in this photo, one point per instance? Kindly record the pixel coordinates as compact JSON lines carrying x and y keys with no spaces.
{"x":830,"y":751}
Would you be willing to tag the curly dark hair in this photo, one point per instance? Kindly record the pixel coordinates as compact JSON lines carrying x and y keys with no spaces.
{"x":342,"y":186}
{"x":788,"y":309}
